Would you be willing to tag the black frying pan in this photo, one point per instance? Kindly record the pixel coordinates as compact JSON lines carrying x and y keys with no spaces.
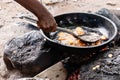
{"x":95,"y":21}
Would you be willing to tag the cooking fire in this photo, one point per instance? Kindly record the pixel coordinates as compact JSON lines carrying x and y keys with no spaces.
{"x":35,"y":52}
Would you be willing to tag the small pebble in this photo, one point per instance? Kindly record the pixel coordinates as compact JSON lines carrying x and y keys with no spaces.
{"x":111,"y":4}
{"x":96,"y":67}
{"x":110,"y":55}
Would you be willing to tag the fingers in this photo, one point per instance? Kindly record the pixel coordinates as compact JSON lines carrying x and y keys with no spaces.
{"x":54,"y":28}
{"x":46,"y":26}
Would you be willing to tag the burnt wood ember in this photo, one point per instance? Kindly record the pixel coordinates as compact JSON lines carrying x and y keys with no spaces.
{"x":75,"y":76}
{"x":29,"y":54}
{"x":106,"y":66}
{"x":101,"y":66}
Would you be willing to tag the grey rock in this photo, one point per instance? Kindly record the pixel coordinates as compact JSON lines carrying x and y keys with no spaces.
{"x":29,"y":54}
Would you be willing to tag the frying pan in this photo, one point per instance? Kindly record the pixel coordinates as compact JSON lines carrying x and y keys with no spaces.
{"x":72,"y":20}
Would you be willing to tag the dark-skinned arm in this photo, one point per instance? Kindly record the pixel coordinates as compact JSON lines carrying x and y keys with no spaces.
{"x":45,"y":20}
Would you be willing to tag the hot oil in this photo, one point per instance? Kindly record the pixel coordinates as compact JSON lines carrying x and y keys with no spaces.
{"x":103,"y":31}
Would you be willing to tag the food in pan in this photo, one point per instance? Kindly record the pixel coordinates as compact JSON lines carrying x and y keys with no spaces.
{"x":68,"y":39}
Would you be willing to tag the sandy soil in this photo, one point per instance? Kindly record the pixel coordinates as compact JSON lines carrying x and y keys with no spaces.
{"x":10,"y":9}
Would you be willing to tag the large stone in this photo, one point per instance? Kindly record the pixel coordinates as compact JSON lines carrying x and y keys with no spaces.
{"x":29,"y":54}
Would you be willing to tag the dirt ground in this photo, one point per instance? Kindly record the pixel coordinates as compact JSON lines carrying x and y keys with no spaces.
{"x":10,"y":9}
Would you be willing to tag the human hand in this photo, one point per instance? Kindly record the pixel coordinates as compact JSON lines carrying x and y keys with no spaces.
{"x":47,"y":23}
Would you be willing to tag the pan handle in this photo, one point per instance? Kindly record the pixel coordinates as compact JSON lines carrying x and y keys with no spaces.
{"x":35,"y":21}
{"x":28,"y":19}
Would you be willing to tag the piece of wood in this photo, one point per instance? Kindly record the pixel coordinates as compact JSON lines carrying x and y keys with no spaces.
{"x":55,"y":72}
